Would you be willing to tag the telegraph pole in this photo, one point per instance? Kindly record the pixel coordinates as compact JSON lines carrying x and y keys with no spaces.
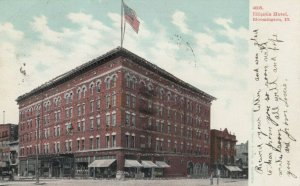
{"x":37,"y":175}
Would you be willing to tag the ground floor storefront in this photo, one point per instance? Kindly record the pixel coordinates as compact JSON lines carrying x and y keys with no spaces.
{"x":226,"y":171}
{"x":114,"y":164}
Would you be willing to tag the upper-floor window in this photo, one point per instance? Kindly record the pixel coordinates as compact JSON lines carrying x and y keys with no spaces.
{"x":91,"y":87}
{"x":114,"y":81}
{"x":98,"y":86}
{"x":114,"y":99}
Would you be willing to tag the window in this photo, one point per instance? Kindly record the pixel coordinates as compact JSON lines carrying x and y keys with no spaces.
{"x":127,"y":81}
{"x":114,"y":97}
{"x":114,"y":142}
{"x":149,"y":121}
{"x":58,"y":147}
{"x":78,"y":93}
{"x":133,"y":101}
{"x":79,"y":110}
{"x":127,"y":141}
{"x":169,"y":128}
{"x":127,"y":100}
{"x":107,"y":141}
{"x":78,"y":125}
{"x":108,"y":101}
{"x":92,"y":123}
{"x":114,"y":119}
{"x":82,"y":144}
{"x":84,"y":91}
{"x":127,"y":119}
{"x":149,"y":141}
{"x":92,"y":106}
{"x":98,"y":86}
{"x":78,"y":144}
{"x":108,"y":83}
{"x":91,"y":143}
{"x":133,"y":120}
{"x":157,"y":144}
{"x":157,"y":126}
{"x":114,"y":81}
{"x":98,"y":104}
{"x":83,"y":126}
{"x":98,"y":122}
{"x":83,"y":109}
{"x":92,"y":88}
{"x":107,"y":120}
{"x":132,"y":141}
{"x":97,"y":142}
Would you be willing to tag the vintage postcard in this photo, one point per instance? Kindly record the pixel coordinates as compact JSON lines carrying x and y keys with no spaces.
{"x":163,"y":92}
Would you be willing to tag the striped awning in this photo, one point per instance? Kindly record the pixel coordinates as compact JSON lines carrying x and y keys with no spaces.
{"x":102,"y":163}
{"x":233,"y":168}
{"x":132,"y":163}
{"x":162,"y":164}
{"x":149,"y":164}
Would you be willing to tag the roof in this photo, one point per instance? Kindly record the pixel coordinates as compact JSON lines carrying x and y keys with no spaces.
{"x":119,"y":51}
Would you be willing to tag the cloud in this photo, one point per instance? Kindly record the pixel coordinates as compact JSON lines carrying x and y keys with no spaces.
{"x":7,"y":31}
{"x":178,"y":19}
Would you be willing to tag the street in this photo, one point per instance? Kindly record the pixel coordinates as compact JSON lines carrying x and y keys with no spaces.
{"x":113,"y":182}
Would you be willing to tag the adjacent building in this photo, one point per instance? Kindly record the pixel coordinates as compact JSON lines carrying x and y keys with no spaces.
{"x":113,"y":116}
{"x":9,"y":147}
{"x":223,"y":153}
{"x":242,"y":157}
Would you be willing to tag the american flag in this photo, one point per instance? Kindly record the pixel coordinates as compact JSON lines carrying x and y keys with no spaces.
{"x":131,"y":18}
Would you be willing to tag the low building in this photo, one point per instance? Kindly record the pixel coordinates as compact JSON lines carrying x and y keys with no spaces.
{"x":223,"y":153}
{"x":9,"y":147}
{"x":242,"y":157}
{"x":115,"y":115}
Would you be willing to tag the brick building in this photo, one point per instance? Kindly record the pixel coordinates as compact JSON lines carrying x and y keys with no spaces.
{"x":223,"y":153}
{"x":117,"y":114}
{"x":9,"y":146}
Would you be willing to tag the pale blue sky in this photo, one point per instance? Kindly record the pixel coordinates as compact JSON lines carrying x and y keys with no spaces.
{"x":52,"y":37}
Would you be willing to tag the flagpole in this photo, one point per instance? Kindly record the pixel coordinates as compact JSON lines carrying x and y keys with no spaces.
{"x":121,"y":23}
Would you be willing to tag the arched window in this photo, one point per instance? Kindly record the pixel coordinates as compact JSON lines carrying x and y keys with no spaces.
{"x":133,"y":82}
{"x":161,"y":93}
{"x":79,"y":93}
{"x":91,"y":88}
{"x":98,"y":86}
{"x":114,"y":81}
{"x":84,"y":89}
{"x":107,"y":82}
{"x":169,"y":96}
{"x":128,"y":79}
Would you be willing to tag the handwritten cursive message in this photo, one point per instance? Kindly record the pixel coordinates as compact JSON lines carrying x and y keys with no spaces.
{"x":274,"y":139}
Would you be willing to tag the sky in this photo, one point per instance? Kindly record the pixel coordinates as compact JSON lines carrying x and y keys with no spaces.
{"x":204,"y":43}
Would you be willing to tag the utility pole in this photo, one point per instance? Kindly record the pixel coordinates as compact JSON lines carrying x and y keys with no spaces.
{"x":37,"y":175}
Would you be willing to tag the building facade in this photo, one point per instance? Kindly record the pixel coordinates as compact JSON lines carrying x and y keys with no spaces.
{"x":242,"y":157}
{"x":113,"y":116}
{"x":223,"y":153}
{"x":9,"y":147}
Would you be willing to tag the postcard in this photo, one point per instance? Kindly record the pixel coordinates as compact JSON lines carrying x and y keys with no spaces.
{"x":152,"y":90}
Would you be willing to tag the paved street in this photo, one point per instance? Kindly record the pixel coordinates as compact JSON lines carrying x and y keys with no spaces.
{"x":163,"y":182}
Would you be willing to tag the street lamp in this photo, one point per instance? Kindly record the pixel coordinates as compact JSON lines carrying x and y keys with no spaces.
{"x":37,"y":176}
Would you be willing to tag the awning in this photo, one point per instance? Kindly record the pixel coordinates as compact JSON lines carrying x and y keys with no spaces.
{"x":162,"y":164}
{"x":149,"y":164}
{"x":102,"y":163}
{"x":233,"y":168}
{"x":132,"y":163}
{"x":2,"y":164}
